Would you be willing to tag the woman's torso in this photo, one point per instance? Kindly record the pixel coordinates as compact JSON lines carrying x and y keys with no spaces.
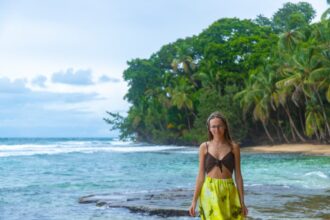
{"x":219,"y":162}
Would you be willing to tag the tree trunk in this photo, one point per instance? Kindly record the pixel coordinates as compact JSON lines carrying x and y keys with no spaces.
{"x":302,"y":124}
{"x":297,"y":132}
{"x":267,"y":133}
{"x":279,"y":125}
{"x":187,"y":116}
{"x":293,"y":125}
{"x":277,"y":132}
{"x":323,"y":112}
{"x":284,"y":136}
{"x":295,"y":128}
{"x":316,"y":134}
{"x":291,"y":129}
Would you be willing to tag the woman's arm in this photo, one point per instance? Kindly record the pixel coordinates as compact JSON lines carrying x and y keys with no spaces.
{"x":238,"y":177}
{"x":200,"y":178}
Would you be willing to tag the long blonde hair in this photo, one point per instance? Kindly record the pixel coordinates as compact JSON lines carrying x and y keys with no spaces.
{"x":227,"y":135}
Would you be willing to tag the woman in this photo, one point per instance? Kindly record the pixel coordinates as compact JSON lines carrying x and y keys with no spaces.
{"x":218,"y":159}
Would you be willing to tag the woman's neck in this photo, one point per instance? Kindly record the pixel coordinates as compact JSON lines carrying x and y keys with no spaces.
{"x":219,"y":140}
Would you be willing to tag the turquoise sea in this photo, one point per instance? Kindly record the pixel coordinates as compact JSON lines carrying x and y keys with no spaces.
{"x":43,"y":178}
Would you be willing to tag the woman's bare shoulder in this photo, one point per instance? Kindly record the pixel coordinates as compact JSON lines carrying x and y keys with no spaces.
{"x":235,"y":146}
{"x":202,"y":147}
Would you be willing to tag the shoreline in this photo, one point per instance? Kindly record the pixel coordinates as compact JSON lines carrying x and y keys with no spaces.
{"x":312,"y":149}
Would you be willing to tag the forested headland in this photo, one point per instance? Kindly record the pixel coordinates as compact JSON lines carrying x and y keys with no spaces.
{"x":269,"y":76}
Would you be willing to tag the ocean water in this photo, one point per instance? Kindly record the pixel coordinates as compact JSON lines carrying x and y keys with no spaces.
{"x":44,"y":178}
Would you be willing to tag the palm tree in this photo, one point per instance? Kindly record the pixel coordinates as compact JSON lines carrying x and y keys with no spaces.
{"x":181,"y":97}
{"x":289,"y":40}
{"x":184,"y":62}
{"x":326,"y":14}
{"x":255,"y":95}
{"x":211,"y":80}
{"x":314,"y":121}
{"x":261,"y":113}
{"x":308,"y":66}
{"x":284,"y":91}
{"x":328,"y":94}
{"x":303,"y":69}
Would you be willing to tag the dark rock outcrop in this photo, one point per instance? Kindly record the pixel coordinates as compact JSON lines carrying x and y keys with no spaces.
{"x":165,"y":203}
{"x":263,"y":200}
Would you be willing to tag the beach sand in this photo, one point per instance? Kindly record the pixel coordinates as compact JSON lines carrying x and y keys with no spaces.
{"x":290,"y":148}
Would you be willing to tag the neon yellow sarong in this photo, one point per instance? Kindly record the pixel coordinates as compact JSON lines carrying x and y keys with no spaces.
{"x":219,"y":200}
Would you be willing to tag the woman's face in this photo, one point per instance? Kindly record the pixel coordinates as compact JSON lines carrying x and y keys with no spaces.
{"x":217,"y":127}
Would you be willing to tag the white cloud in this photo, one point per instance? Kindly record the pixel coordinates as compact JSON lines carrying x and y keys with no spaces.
{"x":78,"y":77}
{"x":16,"y":86}
{"x":105,"y":78}
{"x":39,"y":81}
{"x":57,"y":110}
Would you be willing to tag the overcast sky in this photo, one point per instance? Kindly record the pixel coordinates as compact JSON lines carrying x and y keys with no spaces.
{"x":61,"y":62}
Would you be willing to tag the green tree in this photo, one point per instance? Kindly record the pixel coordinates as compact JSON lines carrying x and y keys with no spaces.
{"x":292,"y":16}
{"x":263,"y":21}
{"x":258,"y":96}
{"x":268,"y":75}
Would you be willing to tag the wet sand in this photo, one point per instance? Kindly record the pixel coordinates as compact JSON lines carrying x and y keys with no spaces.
{"x":290,"y":148}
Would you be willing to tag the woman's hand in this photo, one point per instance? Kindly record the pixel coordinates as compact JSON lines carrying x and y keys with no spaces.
{"x":245,"y":211}
{"x":192,"y":209}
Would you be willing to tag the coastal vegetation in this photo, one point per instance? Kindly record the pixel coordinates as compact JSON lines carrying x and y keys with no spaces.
{"x":269,"y":76}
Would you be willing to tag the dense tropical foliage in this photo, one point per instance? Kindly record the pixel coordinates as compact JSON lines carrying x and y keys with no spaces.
{"x":269,"y":77}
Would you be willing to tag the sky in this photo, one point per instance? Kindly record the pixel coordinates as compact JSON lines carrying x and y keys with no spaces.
{"x":61,"y":62}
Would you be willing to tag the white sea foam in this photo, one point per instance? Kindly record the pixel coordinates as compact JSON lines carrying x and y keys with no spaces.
{"x":79,"y":147}
{"x":317,"y":173}
{"x":144,"y":149}
{"x":187,"y":151}
{"x":253,"y":184}
{"x":120,"y":143}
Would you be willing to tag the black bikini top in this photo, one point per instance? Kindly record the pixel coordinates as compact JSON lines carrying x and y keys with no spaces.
{"x":228,"y":161}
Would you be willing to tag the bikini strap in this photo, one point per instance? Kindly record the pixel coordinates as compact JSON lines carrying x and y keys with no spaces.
{"x":207,"y":150}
